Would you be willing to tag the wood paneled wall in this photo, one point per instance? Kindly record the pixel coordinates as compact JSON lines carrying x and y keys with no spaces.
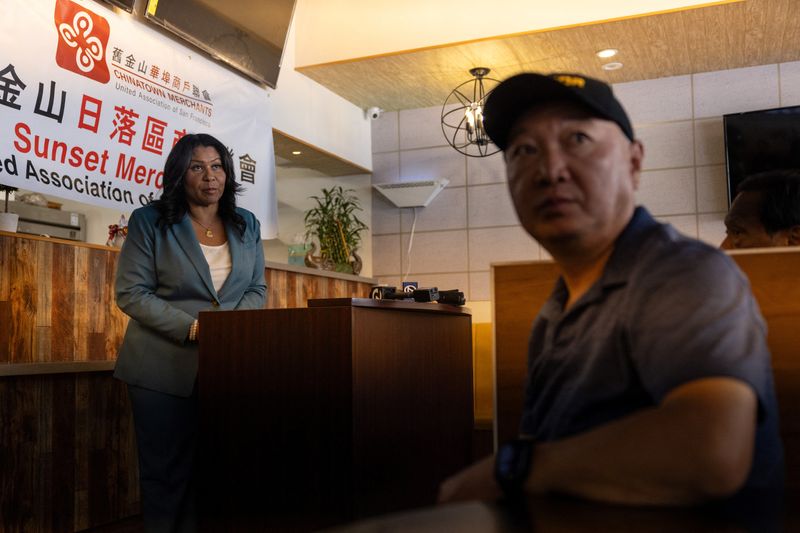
{"x":67,"y":453}
{"x":57,"y":301}
{"x":287,"y":288}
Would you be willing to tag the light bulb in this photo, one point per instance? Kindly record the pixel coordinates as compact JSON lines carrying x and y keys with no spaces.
{"x":606,"y":53}
{"x":469,"y":113}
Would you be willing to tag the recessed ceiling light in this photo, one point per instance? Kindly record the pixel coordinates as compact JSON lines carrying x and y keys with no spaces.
{"x":615,"y":65}
{"x":608,"y":52}
{"x":296,"y":152}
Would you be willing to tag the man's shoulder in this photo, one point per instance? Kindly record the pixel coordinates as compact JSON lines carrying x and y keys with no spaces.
{"x":646,"y":240}
{"x":664,"y":238}
{"x":669,"y":240}
{"x":664,"y":252}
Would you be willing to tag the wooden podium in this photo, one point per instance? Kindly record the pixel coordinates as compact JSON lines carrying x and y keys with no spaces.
{"x":312,"y":417}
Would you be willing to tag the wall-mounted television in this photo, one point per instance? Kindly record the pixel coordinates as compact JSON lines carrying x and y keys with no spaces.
{"x":127,"y":5}
{"x":249,"y":35}
{"x":758,"y":141}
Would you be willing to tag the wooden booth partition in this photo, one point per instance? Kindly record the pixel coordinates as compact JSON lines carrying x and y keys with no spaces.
{"x":520,"y":289}
{"x":775,"y":279}
{"x":315,"y":416}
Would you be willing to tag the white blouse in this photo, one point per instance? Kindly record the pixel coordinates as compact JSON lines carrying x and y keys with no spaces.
{"x":219,"y":263}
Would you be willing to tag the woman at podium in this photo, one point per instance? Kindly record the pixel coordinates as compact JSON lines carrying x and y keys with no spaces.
{"x":189,"y":251}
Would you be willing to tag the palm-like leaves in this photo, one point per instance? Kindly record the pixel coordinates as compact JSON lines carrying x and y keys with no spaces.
{"x":335,"y":224}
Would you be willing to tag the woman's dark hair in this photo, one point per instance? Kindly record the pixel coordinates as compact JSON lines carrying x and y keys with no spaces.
{"x":780,"y":207}
{"x":172,"y":205}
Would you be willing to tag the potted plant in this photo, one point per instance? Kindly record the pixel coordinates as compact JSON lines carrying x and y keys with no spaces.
{"x":8,"y":221}
{"x":334,"y":224}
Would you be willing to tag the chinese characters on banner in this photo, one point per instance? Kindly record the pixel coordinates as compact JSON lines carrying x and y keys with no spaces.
{"x":91,"y":103}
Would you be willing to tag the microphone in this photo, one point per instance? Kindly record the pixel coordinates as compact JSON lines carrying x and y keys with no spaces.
{"x":452,"y":297}
{"x":432,"y":294}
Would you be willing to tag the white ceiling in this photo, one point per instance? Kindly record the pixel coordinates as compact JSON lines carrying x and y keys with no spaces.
{"x":717,"y":36}
{"x":346,"y":30}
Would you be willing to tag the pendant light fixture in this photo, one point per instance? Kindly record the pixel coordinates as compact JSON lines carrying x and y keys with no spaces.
{"x":462,"y":115}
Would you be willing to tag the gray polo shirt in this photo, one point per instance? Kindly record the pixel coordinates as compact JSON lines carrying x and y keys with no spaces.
{"x":667,"y":310}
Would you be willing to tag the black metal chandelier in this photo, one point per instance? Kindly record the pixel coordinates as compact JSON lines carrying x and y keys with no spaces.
{"x":462,"y":125}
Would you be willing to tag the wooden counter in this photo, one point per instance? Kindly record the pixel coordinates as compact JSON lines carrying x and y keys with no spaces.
{"x":57,"y":301}
{"x":68,"y":454}
{"x":292,"y":286}
{"x":67,"y":444}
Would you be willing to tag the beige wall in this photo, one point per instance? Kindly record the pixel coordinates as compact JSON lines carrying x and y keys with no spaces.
{"x":472,"y":223}
{"x":294,"y":187}
{"x":306,"y":110}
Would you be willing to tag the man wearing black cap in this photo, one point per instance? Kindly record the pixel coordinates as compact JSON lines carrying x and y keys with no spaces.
{"x":649,"y":379}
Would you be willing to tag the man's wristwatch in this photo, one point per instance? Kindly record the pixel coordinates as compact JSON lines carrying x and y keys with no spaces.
{"x":512,"y":465}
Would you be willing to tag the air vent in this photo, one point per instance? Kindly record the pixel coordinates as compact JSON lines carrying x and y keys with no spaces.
{"x":412,"y":193}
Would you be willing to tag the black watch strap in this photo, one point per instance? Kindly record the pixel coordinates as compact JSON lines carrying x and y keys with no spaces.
{"x":513,"y":464}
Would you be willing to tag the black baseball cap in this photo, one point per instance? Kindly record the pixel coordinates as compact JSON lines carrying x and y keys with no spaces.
{"x":516,"y":95}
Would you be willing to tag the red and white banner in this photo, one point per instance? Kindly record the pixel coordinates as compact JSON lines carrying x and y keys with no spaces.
{"x":91,"y":103}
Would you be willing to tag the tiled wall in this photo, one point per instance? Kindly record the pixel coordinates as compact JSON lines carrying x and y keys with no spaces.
{"x":472,"y":222}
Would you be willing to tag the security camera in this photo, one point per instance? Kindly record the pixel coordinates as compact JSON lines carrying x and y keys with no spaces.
{"x":374,"y":112}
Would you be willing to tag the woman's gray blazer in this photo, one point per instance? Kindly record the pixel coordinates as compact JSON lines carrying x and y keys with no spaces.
{"x":163,"y":282}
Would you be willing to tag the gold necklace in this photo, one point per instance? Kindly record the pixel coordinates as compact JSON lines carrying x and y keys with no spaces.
{"x":209,"y":233}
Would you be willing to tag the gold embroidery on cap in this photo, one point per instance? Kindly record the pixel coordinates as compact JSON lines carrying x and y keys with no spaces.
{"x":571,"y":81}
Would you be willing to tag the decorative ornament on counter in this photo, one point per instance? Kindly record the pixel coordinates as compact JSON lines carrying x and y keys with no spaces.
{"x":32,"y":198}
{"x":8,"y":221}
{"x":117,"y":233}
{"x":297,"y":250}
